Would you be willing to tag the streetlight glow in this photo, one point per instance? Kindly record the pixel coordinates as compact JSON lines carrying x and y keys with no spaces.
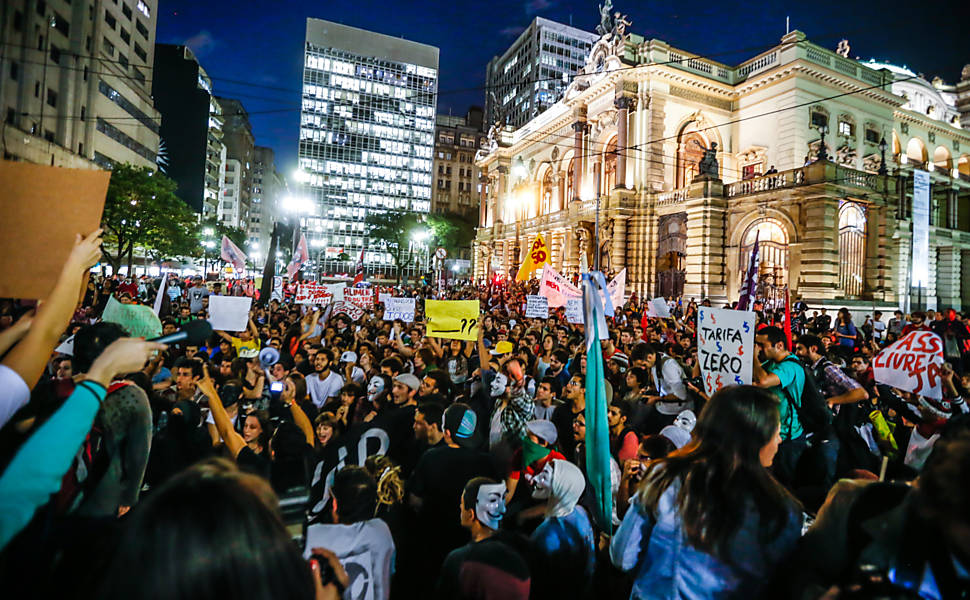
{"x":208,"y":231}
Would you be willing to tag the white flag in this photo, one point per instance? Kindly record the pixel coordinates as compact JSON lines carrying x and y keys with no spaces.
{"x":556,"y":288}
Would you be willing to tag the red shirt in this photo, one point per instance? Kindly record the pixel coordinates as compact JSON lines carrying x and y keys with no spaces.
{"x":537,"y":467}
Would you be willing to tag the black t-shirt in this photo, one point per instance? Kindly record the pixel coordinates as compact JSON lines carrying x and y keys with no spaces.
{"x":486,"y":569}
{"x":563,"y":418}
{"x":250,"y":462}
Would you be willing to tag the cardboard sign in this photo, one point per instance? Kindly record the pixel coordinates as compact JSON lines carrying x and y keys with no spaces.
{"x":346,"y":308}
{"x":556,"y":288}
{"x":399,"y":308}
{"x":658,"y":308}
{"x":537,"y":307}
{"x":138,"y":320}
{"x":913,"y":364}
{"x":229,"y":313}
{"x":277,"y":293}
{"x":452,"y":319}
{"x":336,"y":290}
{"x":574,"y":311}
{"x":311,"y":293}
{"x":42,"y":209}
{"x":725,"y":347}
{"x":362,"y":297}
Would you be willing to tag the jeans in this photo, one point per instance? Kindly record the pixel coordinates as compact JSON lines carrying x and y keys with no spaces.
{"x":789,"y":452}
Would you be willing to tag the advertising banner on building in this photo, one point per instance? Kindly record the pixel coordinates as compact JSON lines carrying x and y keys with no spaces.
{"x":921,"y":229}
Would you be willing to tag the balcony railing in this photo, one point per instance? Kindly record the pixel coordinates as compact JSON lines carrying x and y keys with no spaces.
{"x":775,"y":181}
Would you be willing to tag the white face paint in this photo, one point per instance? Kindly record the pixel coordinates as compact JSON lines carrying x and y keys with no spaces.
{"x":542,"y":483}
{"x":498,"y":385}
{"x":686,"y":420}
{"x":374,"y":388}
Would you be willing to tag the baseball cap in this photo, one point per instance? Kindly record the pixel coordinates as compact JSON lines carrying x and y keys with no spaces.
{"x":503,"y":348}
{"x":409,"y":380}
{"x":675,"y":434}
{"x":348,"y":356}
{"x":462,"y":422}
{"x":543,"y":429}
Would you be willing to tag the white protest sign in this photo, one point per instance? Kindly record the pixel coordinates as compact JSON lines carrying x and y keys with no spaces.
{"x":913,"y":364}
{"x":617,"y":289}
{"x":311,"y":293}
{"x":725,"y":347}
{"x":536,"y":307}
{"x":383,"y":297}
{"x":574,"y":311}
{"x":229,"y":313}
{"x":362,"y":297}
{"x":336,"y":290}
{"x":346,"y":308}
{"x":399,"y":308}
{"x":277,"y":293}
{"x":556,"y":288}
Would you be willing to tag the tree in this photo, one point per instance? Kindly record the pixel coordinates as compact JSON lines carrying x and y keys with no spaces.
{"x":141,"y":209}
{"x":451,"y":231}
{"x":392,"y":230}
{"x":238,"y":235}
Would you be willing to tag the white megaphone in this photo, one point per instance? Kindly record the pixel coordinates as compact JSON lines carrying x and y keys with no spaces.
{"x":268,"y":357}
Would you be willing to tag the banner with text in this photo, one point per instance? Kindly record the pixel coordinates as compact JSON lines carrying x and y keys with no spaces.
{"x":452,"y":319}
{"x":913,"y":364}
{"x":725,"y":347}
{"x":346,"y":308}
{"x":557,"y":288}
{"x":921,"y":229}
{"x":311,"y":293}
{"x":536,"y":307}
{"x":362,"y":297}
{"x":574,"y":311}
{"x":399,"y":308}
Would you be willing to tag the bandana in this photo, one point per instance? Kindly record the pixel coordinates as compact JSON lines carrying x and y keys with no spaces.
{"x":490,"y":506}
{"x":532,"y":452}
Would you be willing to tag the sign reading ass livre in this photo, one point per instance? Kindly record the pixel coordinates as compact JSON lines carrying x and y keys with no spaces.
{"x":725,"y":347}
{"x":913,"y":363}
{"x":452,"y":319}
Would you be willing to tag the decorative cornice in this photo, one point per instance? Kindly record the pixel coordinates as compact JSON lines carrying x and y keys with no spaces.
{"x":902,"y":114}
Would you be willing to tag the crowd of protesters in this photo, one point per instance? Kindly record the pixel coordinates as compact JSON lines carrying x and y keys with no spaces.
{"x":362,"y":459}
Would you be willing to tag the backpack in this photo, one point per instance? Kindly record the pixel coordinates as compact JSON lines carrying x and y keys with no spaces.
{"x":813,"y":410}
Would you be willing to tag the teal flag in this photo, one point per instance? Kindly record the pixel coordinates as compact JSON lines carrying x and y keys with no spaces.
{"x":597,"y":429}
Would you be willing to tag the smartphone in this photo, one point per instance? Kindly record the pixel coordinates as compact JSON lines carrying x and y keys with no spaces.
{"x":276,"y":387}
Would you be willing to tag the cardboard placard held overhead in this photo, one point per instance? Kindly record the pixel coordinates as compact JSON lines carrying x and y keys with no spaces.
{"x":42,"y":210}
{"x":229,"y":313}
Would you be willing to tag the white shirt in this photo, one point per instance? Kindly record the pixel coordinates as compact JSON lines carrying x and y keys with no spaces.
{"x":366,"y":551}
{"x":670,"y":381}
{"x":14,"y":393}
{"x":320,"y":391}
{"x":878,"y":327}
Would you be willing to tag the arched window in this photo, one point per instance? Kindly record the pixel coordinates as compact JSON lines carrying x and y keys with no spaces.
{"x":852,"y":248}
{"x":609,"y":168}
{"x":772,"y":257}
{"x":916,"y":152}
{"x":690,"y":151}
{"x":546,"y":200}
{"x":941,"y":158}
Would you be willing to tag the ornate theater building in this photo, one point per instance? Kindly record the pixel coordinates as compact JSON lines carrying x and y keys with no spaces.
{"x":688,"y":161}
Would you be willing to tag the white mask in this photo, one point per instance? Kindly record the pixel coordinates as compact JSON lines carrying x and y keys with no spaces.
{"x":542,"y":483}
{"x":498,"y":385}
{"x":374,"y":388}
{"x":686,"y":420}
{"x":490,"y":505}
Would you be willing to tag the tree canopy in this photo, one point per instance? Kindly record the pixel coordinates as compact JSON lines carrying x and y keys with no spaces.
{"x":392,"y":231}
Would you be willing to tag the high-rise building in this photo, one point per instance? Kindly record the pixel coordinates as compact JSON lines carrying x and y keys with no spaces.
{"x":455,"y":183}
{"x":366,"y":137}
{"x":192,"y":152}
{"x":268,"y":189}
{"x":75,"y":82}
{"x":237,"y":185}
{"x":533,"y":73}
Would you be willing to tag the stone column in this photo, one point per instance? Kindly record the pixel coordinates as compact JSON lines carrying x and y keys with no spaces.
{"x":556,"y":250}
{"x":704,"y":272}
{"x":622,"y":105}
{"x":618,"y":250}
{"x":560,"y":192}
{"x":948,"y":277}
{"x":820,"y":249}
{"x":483,"y":200}
{"x":951,"y":208}
{"x":579,"y":153}
{"x":503,"y":176}
{"x":598,"y":175}
{"x":571,"y":255}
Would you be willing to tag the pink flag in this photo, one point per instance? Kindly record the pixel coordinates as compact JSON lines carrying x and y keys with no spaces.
{"x":232,"y":254}
{"x":300,"y":256}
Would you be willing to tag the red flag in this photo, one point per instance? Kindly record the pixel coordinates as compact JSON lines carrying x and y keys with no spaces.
{"x":300,"y":256}
{"x":791,"y":346}
{"x":359,"y":277}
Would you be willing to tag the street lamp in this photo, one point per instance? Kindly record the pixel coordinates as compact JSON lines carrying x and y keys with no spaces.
{"x":882,"y":153}
{"x":822,"y":152}
{"x":206,"y":245}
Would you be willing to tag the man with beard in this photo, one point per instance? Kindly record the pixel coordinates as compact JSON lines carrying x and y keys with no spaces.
{"x":323,"y":384}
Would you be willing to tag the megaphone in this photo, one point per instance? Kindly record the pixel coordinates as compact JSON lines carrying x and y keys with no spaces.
{"x":268,"y":357}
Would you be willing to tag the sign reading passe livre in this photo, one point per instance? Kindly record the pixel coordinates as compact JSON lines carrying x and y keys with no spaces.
{"x":452,"y":319}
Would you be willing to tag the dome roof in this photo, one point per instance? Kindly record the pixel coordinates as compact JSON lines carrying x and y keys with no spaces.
{"x":896,"y":69}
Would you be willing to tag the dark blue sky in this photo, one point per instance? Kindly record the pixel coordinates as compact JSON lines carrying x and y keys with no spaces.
{"x":260,"y":43}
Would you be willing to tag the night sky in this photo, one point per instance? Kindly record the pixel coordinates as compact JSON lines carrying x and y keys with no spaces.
{"x":254,"y":50}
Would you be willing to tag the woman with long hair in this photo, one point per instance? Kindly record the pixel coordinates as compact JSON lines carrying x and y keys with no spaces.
{"x":710,"y":520}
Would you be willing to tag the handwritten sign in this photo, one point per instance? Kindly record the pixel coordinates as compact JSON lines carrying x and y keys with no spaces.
{"x":556,"y":288}
{"x":311,"y":293}
{"x":399,"y":308}
{"x":574,"y":311}
{"x":536,"y":307}
{"x":138,"y":320}
{"x":383,"y":297}
{"x":362,"y":297}
{"x":913,"y":363}
{"x":346,"y":308}
{"x":725,"y":347}
{"x":452,"y":319}
{"x":229,"y":313}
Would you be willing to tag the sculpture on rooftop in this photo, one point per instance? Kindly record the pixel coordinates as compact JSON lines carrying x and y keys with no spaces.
{"x":606,"y":18}
{"x":707,"y":166}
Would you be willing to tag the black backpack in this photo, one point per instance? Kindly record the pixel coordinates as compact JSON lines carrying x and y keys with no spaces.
{"x":813,"y":410}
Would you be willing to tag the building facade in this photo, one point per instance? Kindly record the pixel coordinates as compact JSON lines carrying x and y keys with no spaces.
{"x":235,"y":202}
{"x":268,"y":190}
{"x":455,"y":182}
{"x":193,"y":152}
{"x":75,"y":82}
{"x":533,"y":73}
{"x":366,"y":139}
{"x":686,"y":163}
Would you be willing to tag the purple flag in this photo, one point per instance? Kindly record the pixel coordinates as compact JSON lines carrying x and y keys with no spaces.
{"x":750,"y":289}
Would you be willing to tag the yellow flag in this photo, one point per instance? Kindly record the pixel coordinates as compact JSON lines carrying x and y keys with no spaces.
{"x":537,"y":258}
{"x":452,"y":319}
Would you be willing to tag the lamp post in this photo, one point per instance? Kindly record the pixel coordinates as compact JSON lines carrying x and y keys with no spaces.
{"x":882,"y":154}
{"x":207,"y":244}
{"x":822,"y":152}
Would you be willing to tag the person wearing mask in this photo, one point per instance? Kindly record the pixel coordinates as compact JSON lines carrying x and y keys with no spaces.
{"x":486,"y":567}
{"x":564,"y":542}
{"x":712,"y":509}
{"x":780,"y":371}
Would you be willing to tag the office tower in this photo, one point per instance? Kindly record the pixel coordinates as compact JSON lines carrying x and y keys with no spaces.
{"x":237,"y":185}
